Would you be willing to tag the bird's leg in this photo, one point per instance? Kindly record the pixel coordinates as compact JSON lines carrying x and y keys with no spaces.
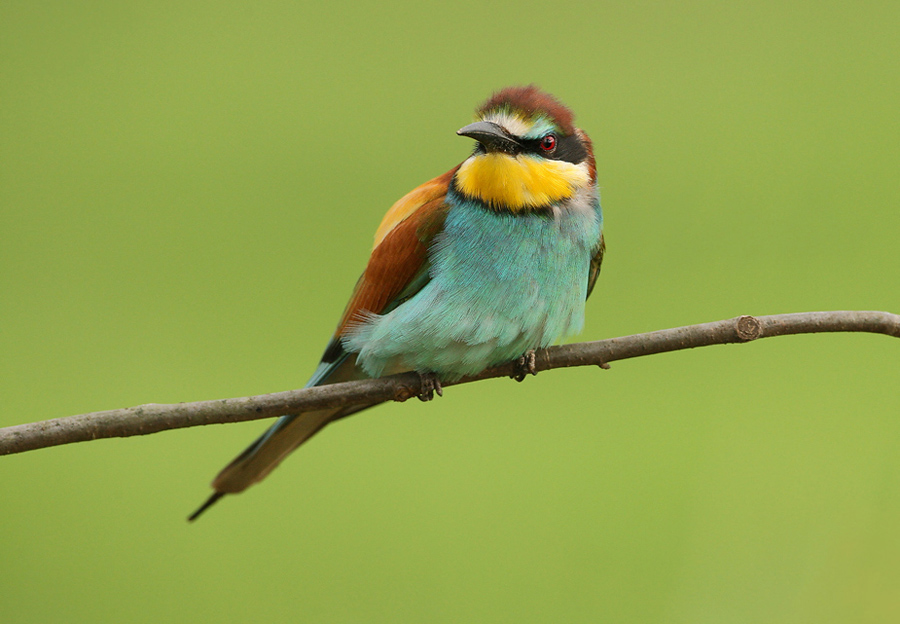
{"x":429,"y":384}
{"x":525,"y":365}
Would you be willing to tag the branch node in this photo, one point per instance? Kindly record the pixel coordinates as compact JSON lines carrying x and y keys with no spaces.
{"x":604,"y":365}
{"x":403,"y":393}
{"x":748,"y":328}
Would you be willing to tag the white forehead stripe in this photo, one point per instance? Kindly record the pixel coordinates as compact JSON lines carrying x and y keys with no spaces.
{"x":516,"y":124}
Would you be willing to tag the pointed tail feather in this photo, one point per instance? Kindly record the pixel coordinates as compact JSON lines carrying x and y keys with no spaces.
{"x":209,"y":503}
{"x":288,"y":432}
{"x":264,"y":455}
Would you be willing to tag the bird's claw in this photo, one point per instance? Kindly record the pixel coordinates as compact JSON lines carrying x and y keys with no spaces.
{"x":525,"y":365}
{"x":429,"y":385}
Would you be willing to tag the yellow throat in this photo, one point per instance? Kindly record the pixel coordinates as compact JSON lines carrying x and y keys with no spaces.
{"x":519,"y":182}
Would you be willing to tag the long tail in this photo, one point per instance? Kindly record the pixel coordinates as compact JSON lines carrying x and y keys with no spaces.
{"x":263,"y":456}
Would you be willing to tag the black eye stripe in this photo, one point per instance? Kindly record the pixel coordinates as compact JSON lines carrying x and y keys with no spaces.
{"x":568,"y":148}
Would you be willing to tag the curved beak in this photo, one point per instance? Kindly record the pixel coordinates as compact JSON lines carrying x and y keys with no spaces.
{"x":491,"y":135}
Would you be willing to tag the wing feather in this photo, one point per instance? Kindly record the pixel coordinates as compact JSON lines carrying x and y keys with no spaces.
{"x":596,"y":261}
{"x":407,"y":205}
{"x":398,"y":266}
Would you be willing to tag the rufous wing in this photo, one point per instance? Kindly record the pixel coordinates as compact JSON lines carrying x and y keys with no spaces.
{"x":397,"y":268}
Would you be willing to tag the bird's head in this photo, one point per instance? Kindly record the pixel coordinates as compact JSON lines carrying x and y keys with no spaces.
{"x":529,"y":155}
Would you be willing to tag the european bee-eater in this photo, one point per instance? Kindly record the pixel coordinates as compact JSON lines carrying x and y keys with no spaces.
{"x":474,"y":268}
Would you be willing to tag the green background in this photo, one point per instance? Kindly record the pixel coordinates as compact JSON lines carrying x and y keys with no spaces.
{"x":188,"y":192}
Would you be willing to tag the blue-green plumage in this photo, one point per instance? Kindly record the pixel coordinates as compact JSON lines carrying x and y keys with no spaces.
{"x":501,"y":283}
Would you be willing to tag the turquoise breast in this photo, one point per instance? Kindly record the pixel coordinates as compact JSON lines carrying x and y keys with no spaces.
{"x":501,"y":284}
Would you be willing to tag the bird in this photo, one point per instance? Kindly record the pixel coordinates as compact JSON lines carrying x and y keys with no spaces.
{"x":476,"y":267}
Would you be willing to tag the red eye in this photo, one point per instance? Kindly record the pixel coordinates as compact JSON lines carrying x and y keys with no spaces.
{"x":548,"y":143}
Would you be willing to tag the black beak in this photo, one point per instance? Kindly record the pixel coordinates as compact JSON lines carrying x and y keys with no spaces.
{"x":492,"y":136}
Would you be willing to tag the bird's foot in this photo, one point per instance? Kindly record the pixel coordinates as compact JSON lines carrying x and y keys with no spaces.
{"x":525,"y":365}
{"x":429,"y":384}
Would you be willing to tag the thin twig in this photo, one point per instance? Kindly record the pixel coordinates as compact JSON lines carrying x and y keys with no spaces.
{"x":153,"y":417}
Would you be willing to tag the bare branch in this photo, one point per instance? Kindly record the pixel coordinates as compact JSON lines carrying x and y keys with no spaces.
{"x":153,"y":417}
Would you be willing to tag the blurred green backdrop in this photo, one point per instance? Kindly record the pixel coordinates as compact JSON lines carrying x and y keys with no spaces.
{"x":188,"y":192}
